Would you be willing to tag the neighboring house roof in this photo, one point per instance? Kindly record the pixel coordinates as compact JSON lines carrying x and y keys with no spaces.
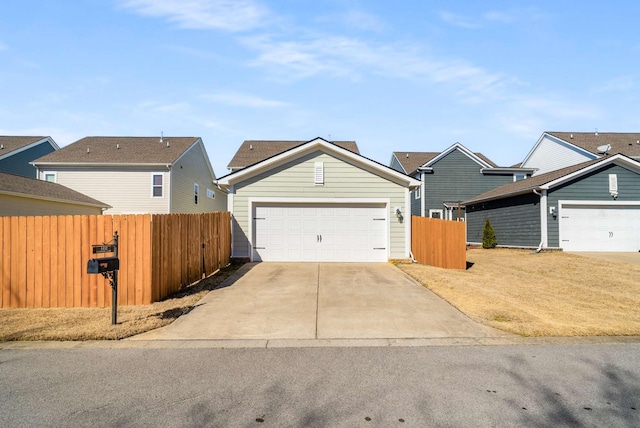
{"x":17,"y":185}
{"x":315,"y":144}
{"x":551,"y":179}
{"x":120,"y":150}
{"x":11,"y":145}
{"x":254,"y":151}
{"x":412,"y":161}
{"x":626,"y":143}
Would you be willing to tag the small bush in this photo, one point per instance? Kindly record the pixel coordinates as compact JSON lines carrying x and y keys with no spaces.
{"x":488,"y":235}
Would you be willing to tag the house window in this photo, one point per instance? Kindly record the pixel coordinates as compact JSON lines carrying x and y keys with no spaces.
{"x":435,"y":213}
{"x":156,"y":185}
{"x":319,"y":173}
{"x":417,"y":193}
{"x":211,"y":194}
{"x":196,"y":191}
{"x":518,"y":177}
{"x":50,"y":177}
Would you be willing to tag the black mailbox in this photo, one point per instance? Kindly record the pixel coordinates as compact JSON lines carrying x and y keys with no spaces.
{"x":105,"y":264}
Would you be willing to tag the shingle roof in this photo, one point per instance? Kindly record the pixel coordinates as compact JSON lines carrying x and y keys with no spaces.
{"x":254,"y":151}
{"x":411,"y":161}
{"x":11,"y":143}
{"x":10,"y":183}
{"x":524,"y":186}
{"x":625,"y":143}
{"x":121,"y":150}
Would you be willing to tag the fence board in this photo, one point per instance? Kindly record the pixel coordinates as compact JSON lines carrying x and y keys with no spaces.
{"x":440,"y":243}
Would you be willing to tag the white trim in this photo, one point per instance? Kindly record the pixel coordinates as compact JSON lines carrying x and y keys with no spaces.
{"x":153,"y":185}
{"x":230,"y":196}
{"x":54,"y":173}
{"x":618,"y":159}
{"x":441,"y":211}
{"x":423,"y":186}
{"x":559,"y":141}
{"x":544,"y":233}
{"x":318,"y":173}
{"x":315,"y":144}
{"x":464,"y":150}
{"x":50,"y":199}
{"x":196,"y":193}
{"x":29,"y":146}
{"x":264,"y":200}
{"x":407,"y":225}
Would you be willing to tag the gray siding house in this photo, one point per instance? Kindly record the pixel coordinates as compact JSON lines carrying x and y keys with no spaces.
{"x":138,"y":175}
{"x":16,"y":153}
{"x":319,"y":201}
{"x":592,"y":206}
{"x":556,"y":150}
{"x":450,"y":177}
{"x":23,"y":196}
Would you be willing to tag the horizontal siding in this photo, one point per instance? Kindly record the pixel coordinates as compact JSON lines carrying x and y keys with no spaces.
{"x":296,"y":180}
{"x":456,"y":177}
{"x":189,"y":170}
{"x":396,"y":165}
{"x":552,"y":154}
{"x":17,"y":206}
{"x":18,"y":164}
{"x":127,"y":191}
{"x":592,"y":187}
{"x":516,"y":220}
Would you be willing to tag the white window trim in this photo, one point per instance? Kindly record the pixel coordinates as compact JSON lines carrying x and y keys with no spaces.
{"x":431,"y":211}
{"x":196,"y":193}
{"x":211,"y":194}
{"x":153,"y":185}
{"x":55,"y":176}
{"x":515,"y":176}
{"x":416,"y":194}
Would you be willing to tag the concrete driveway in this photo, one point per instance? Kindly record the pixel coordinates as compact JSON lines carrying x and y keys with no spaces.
{"x":321,"y":301}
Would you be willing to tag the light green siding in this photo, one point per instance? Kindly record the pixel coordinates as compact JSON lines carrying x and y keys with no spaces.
{"x":295,"y":179}
{"x":192,"y":168}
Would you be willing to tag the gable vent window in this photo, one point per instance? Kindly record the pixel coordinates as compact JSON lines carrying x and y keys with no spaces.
{"x":196,"y":191}
{"x":319,"y":173}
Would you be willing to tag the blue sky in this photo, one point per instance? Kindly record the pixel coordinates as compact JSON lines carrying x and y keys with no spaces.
{"x":393,"y":76}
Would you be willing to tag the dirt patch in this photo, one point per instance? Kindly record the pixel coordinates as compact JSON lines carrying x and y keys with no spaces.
{"x":545,"y":294}
{"x":95,"y":323}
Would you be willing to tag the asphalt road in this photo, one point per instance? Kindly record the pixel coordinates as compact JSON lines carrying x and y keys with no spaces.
{"x":545,"y":385}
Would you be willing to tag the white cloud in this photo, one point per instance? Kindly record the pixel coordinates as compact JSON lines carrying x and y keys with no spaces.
{"x":229,"y":15}
{"x":243,"y":100}
{"x":618,"y":84}
{"x":354,"y":19}
{"x":498,"y":16}
{"x":458,"y":20}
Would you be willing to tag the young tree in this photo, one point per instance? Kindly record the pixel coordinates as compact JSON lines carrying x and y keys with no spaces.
{"x":488,"y":235}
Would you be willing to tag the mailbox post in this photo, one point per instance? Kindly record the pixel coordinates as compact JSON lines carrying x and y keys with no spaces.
{"x":108,"y":268}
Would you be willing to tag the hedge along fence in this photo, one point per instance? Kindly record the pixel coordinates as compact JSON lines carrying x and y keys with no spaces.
{"x":440,"y":243}
{"x":43,"y":260}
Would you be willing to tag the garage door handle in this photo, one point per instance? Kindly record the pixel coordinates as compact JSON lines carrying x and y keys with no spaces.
{"x":379,"y":248}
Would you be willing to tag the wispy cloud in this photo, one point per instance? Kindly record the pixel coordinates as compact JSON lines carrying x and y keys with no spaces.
{"x":193,"y":52}
{"x":355,"y":19}
{"x":243,"y":100}
{"x":618,"y":84}
{"x":228,"y":15}
{"x":459,"y":20}
{"x":498,"y":16}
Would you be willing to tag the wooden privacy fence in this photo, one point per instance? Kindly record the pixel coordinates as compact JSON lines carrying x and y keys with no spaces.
{"x":437,"y":242}
{"x":43,"y":260}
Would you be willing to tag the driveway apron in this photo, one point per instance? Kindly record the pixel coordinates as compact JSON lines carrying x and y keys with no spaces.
{"x":321,"y":301}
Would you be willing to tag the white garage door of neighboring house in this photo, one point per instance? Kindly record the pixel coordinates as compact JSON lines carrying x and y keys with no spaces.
{"x":326,"y":233}
{"x":614,"y":227}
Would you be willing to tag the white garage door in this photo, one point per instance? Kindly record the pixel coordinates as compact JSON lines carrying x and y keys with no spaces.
{"x":600,"y":227}
{"x":327,"y":233}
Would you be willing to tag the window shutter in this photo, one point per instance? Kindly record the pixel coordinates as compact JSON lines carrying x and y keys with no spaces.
{"x":319,"y":173}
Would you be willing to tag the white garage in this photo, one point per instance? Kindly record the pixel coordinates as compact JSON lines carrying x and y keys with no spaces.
{"x":320,"y":232}
{"x":612,"y":226}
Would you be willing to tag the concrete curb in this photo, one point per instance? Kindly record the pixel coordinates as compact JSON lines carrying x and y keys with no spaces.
{"x":324,"y":343}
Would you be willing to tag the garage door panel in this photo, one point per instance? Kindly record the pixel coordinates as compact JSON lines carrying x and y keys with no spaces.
{"x":600,"y":228}
{"x":320,"y":233}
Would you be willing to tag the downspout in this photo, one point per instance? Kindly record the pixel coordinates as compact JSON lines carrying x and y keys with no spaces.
{"x":543,"y":219}
{"x":422,"y":194}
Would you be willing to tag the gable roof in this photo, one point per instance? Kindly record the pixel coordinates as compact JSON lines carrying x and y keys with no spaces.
{"x":254,"y":151}
{"x":621,"y":142}
{"x":120,"y":150}
{"x":310,"y":146}
{"x":10,"y":145}
{"x":551,"y":179}
{"x":412,"y":161}
{"x":18,"y":185}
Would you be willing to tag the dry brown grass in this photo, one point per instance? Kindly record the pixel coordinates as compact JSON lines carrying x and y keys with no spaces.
{"x":95,"y":323}
{"x":545,"y":294}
